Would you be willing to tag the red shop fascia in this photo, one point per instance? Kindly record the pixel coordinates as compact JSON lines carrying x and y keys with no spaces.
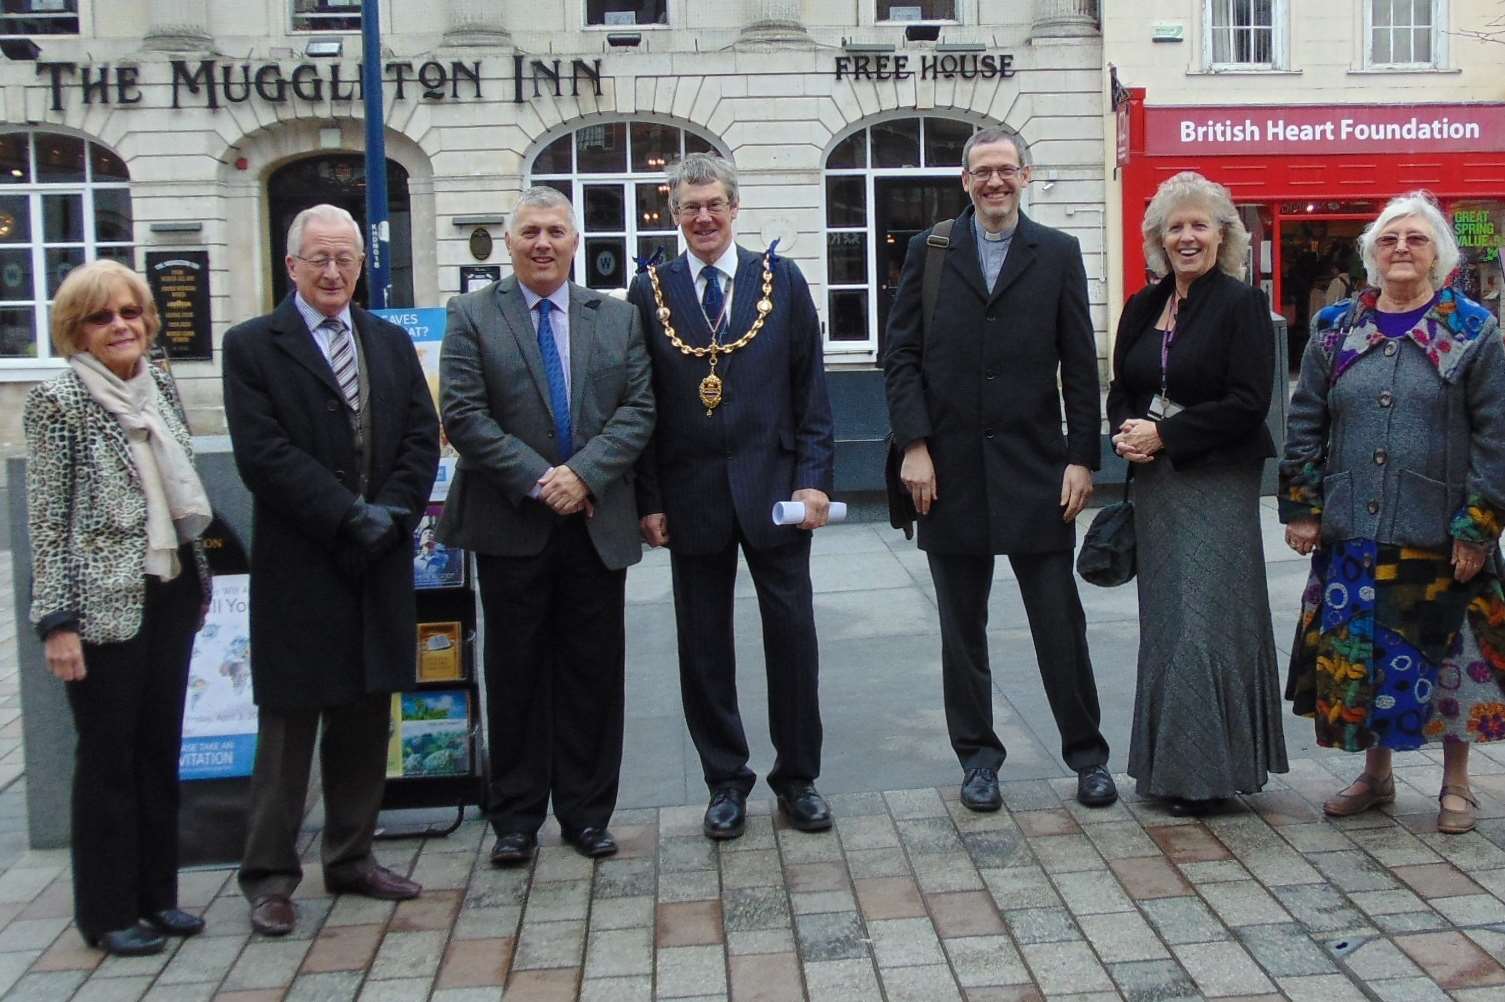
{"x":1288,"y":164}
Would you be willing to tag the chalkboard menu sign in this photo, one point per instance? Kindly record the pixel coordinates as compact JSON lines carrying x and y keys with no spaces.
{"x":180,"y":284}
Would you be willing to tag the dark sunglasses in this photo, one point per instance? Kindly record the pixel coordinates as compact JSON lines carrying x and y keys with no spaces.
{"x":102,"y":318}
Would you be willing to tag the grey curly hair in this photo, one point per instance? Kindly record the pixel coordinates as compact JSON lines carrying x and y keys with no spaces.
{"x":1423,"y":206}
{"x":1175,"y":193}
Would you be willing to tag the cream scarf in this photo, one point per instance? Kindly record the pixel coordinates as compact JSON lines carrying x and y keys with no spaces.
{"x":177,"y":510}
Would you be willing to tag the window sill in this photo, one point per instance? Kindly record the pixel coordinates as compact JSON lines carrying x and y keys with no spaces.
{"x":1243,"y":71}
{"x":23,"y":370}
{"x":1390,"y":71}
{"x":627,"y":27}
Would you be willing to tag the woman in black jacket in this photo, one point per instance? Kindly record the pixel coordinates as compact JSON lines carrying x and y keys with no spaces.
{"x":1193,"y":366}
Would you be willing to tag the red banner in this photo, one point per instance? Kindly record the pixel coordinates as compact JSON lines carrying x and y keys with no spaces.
{"x":1308,"y":129}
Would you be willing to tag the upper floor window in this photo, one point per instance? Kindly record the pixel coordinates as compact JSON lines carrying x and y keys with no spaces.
{"x":39,"y":17}
{"x":326,"y":15}
{"x":1245,"y":34}
{"x":624,"y":13}
{"x":1402,"y":32}
{"x":916,"y":10}
{"x":63,"y":201}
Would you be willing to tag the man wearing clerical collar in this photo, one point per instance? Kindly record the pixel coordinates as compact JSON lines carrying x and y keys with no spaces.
{"x":744,"y":422}
{"x":975,"y":395}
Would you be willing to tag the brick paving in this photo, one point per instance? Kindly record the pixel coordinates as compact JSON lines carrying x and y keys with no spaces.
{"x":910,"y":898}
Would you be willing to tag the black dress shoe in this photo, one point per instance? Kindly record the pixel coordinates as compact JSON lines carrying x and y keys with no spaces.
{"x":175,"y":922}
{"x":134,"y":941}
{"x":806,"y":810}
{"x":513,"y":848}
{"x":1094,"y":787}
{"x":1184,"y":807}
{"x":592,"y":843}
{"x":726,"y":814}
{"x":980,"y":790}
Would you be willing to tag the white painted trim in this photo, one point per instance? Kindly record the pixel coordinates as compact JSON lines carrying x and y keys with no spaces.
{"x":1441,"y":28}
{"x":1280,"y":41}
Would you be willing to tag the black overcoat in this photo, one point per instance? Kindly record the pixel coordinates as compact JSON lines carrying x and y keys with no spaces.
{"x":982,"y":388}
{"x":320,"y":638}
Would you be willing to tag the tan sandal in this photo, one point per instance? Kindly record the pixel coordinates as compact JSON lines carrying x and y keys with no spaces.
{"x":1376,"y":791}
{"x":1457,"y":822}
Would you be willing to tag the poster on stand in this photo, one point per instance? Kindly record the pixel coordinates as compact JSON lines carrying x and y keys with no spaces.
{"x":219,"y":714}
{"x":425,"y":325}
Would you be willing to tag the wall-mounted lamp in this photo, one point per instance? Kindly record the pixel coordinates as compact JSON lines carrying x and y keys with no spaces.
{"x":852,"y":45}
{"x":922,"y":32}
{"x":324,"y":48}
{"x":625,"y":39}
{"x":20,"y":49}
{"x":960,"y":47}
{"x":177,"y":226}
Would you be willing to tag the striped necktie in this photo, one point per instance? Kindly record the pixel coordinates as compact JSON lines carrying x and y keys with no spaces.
{"x":342,"y":360}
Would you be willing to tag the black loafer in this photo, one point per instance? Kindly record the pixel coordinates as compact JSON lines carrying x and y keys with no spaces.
{"x":513,"y":848}
{"x":1183,"y":807}
{"x":175,"y":922}
{"x":135,"y":941}
{"x":806,"y":809}
{"x":592,"y":843}
{"x":1094,"y":787}
{"x":980,"y":791}
{"x":726,"y":815}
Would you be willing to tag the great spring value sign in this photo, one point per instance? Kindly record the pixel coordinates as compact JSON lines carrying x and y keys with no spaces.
{"x":1308,"y":129}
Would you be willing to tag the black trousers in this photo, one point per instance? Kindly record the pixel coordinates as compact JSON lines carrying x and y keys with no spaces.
{"x":555,"y":661}
{"x":128,"y":712}
{"x":1059,"y":629}
{"x":352,"y":747}
{"x":703,"y":590}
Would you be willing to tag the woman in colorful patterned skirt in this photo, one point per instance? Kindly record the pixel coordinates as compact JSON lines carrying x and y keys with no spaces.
{"x":1394,"y":479}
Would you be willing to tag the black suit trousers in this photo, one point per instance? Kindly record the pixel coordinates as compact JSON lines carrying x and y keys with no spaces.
{"x":555,"y":661}
{"x":703,"y":592}
{"x":1059,"y":630}
{"x":128,"y":712}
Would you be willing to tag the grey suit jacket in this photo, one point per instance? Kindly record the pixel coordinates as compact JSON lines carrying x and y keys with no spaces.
{"x":494,"y":400}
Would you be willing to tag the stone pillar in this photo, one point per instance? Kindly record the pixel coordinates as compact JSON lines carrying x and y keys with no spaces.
{"x":178,"y":26}
{"x":773,"y":22}
{"x":1065,"y":19}
{"x":475,"y":24}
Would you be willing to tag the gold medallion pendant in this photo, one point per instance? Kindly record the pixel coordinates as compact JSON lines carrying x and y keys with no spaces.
{"x":712,"y":390}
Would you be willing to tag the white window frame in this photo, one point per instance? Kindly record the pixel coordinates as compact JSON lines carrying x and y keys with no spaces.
{"x":869,"y":347}
{"x":358,"y":6}
{"x":956,"y":8}
{"x":628,"y":180}
{"x":1439,"y":58}
{"x":1280,"y":21}
{"x":40,"y":303}
{"x":585,"y":24}
{"x":75,"y":13}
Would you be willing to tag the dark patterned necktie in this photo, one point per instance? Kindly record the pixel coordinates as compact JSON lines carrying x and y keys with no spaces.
{"x":342,"y":360}
{"x":713,"y":300}
{"x":553,"y":367}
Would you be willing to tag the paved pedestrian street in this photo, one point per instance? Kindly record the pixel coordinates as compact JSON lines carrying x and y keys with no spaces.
{"x":910,"y":898}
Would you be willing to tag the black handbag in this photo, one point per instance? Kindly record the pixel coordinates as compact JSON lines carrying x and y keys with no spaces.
{"x":1108,"y":556}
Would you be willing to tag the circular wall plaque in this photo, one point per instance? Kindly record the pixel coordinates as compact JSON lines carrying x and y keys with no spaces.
{"x":480,"y":243}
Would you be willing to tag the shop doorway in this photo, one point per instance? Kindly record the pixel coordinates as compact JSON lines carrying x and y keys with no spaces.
{"x":340,"y":179}
{"x":1317,"y":262}
{"x":904,"y":207}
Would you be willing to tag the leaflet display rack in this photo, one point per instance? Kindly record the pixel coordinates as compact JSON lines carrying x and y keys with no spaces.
{"x":436,"y":755}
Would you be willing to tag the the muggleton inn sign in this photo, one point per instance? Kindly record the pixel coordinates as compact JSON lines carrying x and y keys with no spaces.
{"x":212,"y":83}
{"x":1311,"y":129}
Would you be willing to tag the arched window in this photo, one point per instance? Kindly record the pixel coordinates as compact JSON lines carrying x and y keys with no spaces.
{"x":885,"y":183}
{"x":63,"y":201}
{"x":613,"y":173}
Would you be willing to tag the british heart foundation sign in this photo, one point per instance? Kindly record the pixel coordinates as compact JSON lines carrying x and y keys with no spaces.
{"x":1309,"y":129}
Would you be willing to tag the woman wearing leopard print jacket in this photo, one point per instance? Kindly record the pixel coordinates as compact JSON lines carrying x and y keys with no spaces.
{"x":120,"y":587}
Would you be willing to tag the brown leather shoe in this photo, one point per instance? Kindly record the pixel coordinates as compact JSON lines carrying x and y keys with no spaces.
{"x":1376,"y":791}
{"x":1451,"y":822}
{"x":273,"y":915}
{"x":374,"y":882}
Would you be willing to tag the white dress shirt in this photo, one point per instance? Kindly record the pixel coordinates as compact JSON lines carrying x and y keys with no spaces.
{"x":727,"y":264}
{"x":323,"y":336}
{"x":559,"y":323}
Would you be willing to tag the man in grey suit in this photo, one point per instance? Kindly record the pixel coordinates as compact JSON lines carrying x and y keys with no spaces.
{"x":545,"y":391}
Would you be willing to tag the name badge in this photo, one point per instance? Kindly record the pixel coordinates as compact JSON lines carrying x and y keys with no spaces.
{"x":1163,"y":407}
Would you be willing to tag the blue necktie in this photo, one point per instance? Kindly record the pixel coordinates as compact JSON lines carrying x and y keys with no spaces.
{"x":559,"y":397}
{"x":712,"y":300}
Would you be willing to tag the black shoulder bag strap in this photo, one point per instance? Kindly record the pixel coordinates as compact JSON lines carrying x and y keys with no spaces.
{"x":935,"y":257}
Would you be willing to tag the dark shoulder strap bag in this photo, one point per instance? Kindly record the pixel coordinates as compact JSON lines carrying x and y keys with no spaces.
{"x":1108,"y":557}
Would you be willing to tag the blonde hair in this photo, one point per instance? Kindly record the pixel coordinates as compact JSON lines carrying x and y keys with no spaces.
{"x":1190,"y":187}
{"x":1421,"y":205}
{"x":88,"y":289}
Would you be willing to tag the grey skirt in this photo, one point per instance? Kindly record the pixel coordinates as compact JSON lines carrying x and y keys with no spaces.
{"x":1207,"y":706}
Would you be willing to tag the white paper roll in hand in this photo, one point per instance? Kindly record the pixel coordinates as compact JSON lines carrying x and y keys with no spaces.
{"x":793,"y":512}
